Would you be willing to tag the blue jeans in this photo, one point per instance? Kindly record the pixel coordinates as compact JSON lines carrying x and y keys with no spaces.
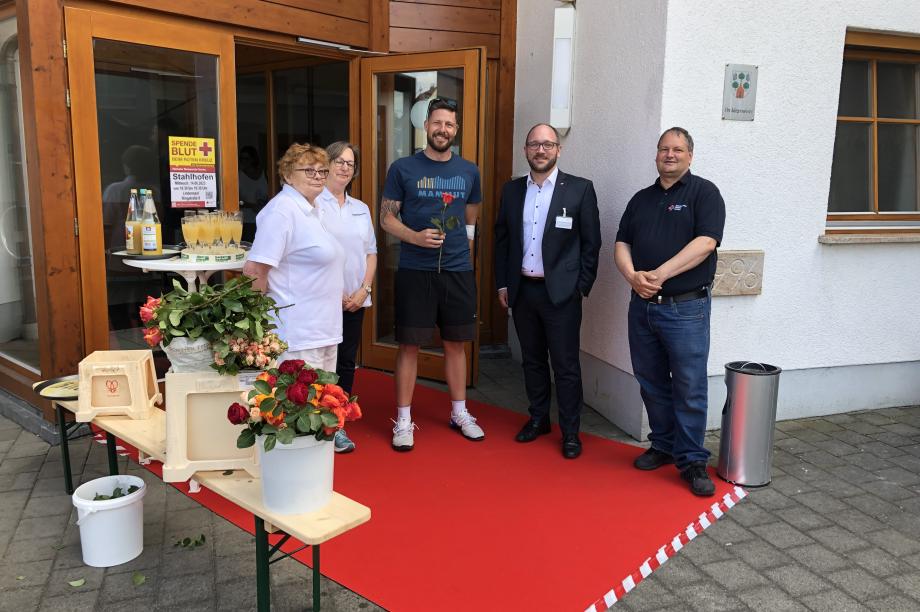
{"x":669,"y":345}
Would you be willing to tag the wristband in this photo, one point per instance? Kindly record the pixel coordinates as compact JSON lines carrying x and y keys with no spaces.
{"x":470,"y":232}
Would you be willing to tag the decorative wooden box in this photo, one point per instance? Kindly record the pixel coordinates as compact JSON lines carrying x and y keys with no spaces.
{"x":117,"y":382}
{"x":198,"y":435}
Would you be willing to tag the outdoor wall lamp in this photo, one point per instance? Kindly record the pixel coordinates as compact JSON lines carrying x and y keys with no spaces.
{"x":560,"y":113}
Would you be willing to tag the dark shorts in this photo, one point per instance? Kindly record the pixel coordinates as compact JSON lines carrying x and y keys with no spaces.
{"x":427,"y":299}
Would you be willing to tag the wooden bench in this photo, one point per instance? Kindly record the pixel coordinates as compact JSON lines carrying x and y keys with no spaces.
{"x":312,"y":529}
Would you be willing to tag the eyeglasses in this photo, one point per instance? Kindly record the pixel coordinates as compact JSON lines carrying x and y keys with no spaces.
{"x":313,"y":172}
{"x":548,"y":145}
{"x":341,"y":163}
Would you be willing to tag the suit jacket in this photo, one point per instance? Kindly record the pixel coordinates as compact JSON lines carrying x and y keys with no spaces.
{"x":569,"y":256}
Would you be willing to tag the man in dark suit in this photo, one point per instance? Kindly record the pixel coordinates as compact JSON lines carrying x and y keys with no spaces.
{"x":547,"y":239}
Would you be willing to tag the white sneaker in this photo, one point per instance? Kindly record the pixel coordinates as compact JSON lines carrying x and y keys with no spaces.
{"x":466,"y":423}
{"x":403,"y":438}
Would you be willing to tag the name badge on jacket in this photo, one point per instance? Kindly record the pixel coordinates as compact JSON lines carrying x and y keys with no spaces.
{"x":563,"y":221}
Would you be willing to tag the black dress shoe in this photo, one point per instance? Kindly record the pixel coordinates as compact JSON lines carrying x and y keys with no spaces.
{"x":532,"y":429}
{"x":652,"y":459}
{"x":698,"y":478}
{"x":571,"y":446}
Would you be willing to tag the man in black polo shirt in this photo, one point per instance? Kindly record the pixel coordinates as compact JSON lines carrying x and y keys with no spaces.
{"x":666,"y":250}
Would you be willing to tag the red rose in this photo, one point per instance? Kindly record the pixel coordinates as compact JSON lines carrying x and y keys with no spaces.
{"x":307,"y":377}
{"x":291,"y":366}
{"x":298,"y":393}
{"x":237,"y":413}
{"x":153,"y":336}
{"x":267,"y":378}
{"x":447,"y":198}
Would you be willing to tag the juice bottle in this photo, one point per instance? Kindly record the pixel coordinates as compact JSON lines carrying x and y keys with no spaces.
{"x":151,"y":231}
{"x":132,"y":225}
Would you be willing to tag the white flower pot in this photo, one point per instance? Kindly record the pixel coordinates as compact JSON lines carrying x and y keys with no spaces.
{"x":112,"y":530}
{"x":296,"y":477}
{"x":189,"y":355}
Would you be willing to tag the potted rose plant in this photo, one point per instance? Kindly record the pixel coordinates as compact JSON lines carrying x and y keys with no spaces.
{"x":295,"y":409}
{"x":225,"y":327}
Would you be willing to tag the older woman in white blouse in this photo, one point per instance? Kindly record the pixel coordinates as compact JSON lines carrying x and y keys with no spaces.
{"x":349,"y":220}
{"x":297,"y":261}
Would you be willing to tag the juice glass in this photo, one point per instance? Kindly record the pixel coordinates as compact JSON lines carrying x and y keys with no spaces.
{"x":236,"y":224}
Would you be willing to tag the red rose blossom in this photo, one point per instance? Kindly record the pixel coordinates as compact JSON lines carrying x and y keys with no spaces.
{"x":291,"y":366}
{"x":447,"y":198}
{"x":298,"y":393}
{"x":307,"y":377}
{"x":237,"y":413}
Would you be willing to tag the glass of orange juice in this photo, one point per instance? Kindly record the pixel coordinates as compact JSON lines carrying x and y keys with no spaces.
{"x":189,"y":231}
{"x":226,"y":228}
{"x":237,"y":225}
{"x":205,"y":230}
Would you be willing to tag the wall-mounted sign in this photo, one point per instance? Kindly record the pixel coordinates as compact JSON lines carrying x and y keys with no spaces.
{"x":740,"y":92}
{"x":192,"y":176}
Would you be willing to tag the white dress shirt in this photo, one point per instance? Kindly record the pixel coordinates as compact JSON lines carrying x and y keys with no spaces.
{"x":536,"y":209}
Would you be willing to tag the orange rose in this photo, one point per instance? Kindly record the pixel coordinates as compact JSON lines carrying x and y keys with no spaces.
{"x":257,"y":400}
{"x":275,"y":419}
{"x":339,"y":412}
{"x":352,"y":411}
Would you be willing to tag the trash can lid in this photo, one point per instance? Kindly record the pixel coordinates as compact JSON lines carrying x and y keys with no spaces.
{"x":753,"y":367}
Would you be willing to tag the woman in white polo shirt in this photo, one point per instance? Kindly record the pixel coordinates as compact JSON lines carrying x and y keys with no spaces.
{"x":349,"y":220}
{"x":296,"y":261}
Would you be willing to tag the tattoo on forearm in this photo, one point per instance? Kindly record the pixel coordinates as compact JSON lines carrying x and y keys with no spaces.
{"x":388,"y":207}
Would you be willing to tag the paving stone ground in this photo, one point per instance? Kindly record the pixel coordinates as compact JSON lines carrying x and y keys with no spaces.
{"x":837,"y":530}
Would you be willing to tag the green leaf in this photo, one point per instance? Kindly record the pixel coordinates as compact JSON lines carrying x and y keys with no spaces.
{"x":269,"y":442}
{"x":175,"y":317}
{"x":268,"y":405}
{"x":452,"y":222}
{"x":219,"y":327}
{"x":244,"y":324}
{"x":327,"y":378}
{"x":262,"y":387}
{"x":286,"y":435}
{"x":233,"y":305}
{"x":329,"y":419}
{"x":258,"y":329}
{"x":303,"y":423}
{"x":186,"y":541}
{"x":20,"y":577}
{"x":138,"y":578}
{"x":280,"y":395}
{"x":77,"y":583}
{"x":316,"y":421}
{"x":246,"y":439}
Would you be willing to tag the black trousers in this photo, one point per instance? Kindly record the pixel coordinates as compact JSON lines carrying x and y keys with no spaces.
{"x":348,"y":348}
{"x":543,"y":328}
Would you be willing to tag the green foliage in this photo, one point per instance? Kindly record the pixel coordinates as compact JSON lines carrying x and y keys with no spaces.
{"x":190,"y":542}
{"x":118,"y":492}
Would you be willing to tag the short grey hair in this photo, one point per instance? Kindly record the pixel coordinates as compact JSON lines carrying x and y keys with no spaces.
{"x":680,"y":132}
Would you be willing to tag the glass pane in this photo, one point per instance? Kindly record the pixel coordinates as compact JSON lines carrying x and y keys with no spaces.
{"x":311,"y":104}
{"x":851,"y":174}
{"x":854,"y":89}
{"x":144,"y":95}
{"x":897,"y":168}
{"x":402,"y":104}
{"x":252,"y":136}
{"x":897,"y":90}
{"x":18,"y":324}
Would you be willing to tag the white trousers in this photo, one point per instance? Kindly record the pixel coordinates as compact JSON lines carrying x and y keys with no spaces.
{"x":323,"y":357}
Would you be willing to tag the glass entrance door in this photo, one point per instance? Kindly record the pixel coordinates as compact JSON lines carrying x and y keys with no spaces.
{"x":134,"y":84}
{"x":395,"y":91}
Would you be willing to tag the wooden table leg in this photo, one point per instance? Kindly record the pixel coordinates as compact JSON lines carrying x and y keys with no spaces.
{"x":263,"y":584}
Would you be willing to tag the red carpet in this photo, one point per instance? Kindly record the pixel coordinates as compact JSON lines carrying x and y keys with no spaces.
{"x":496,"y":525}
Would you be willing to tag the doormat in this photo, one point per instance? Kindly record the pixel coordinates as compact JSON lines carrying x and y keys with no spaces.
{"x":495,"y":525}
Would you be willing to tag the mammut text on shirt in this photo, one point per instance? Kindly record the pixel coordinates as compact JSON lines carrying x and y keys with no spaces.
{"x":419,"y":182}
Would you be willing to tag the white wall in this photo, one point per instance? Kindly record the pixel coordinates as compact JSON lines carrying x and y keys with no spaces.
{"x":619,"y":67}
{"x":821,"y":306}
{"x":644,"y":66}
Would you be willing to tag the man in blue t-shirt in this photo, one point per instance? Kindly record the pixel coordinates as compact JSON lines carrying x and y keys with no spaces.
{"x":431,"y":202}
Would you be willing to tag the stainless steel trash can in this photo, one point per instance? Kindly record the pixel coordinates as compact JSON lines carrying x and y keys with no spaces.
{"x":748,"y":419}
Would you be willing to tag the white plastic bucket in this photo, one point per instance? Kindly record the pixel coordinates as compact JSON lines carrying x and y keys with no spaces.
{"x":296,"y":477}
{"x":111,"y":530}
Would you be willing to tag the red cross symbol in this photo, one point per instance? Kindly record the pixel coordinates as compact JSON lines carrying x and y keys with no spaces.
{"x":205,"y":149}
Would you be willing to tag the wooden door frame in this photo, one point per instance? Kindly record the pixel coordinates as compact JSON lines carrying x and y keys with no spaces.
{"x":473,"y":63}
{"x":82,"y":26}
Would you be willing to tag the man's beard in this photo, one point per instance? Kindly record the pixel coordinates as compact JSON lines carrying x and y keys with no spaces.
{"x":546,"y":166}
{"x":440,"y":149}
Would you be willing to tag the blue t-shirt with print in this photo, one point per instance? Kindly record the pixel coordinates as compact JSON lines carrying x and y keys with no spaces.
{"x":419,"y":183}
